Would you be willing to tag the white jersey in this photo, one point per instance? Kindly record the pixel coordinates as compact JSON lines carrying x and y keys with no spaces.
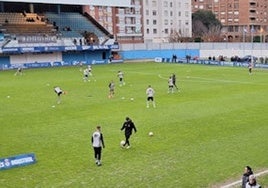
{"x":57,"y":89}
{"x":150,"y":92}
{"x":86,"y":72}
{"x":96,"y":139}
{"x":120,"y":74}
{"x":170,"y":82}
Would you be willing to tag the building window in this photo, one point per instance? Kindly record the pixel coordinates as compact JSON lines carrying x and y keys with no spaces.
{"x":147,"y":22}
{"x":236,"y":5}
{"x":165,"y":13}
{"x":166,"y":31}
{"x":147,"y":31}
{"x":154,"y":3}
{"x":155,"y":31}
{"x":154,"y":13}
{"x":154,"y":22}
{"x":165,"y":4}
{"x":166,"y":22}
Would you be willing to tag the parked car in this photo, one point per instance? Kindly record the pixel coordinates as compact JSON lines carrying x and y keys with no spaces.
{"x":247,"y":58}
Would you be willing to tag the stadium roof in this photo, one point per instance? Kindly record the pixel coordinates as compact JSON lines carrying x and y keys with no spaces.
{"x":117,"y":3}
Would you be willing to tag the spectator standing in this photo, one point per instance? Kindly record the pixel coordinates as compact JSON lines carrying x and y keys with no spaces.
{"x":128,"y":126}
{"x":245,"y":178}
{"x":97,"y":144}
{"x":174,"y":58}
{"x":252,"y":183}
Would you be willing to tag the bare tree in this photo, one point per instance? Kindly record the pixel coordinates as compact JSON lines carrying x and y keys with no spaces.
{"x":206,"y":26}
{"x":177,"y":36}
{"x":213,"y":34}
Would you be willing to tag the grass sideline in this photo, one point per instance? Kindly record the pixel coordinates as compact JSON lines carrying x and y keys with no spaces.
{"x":203,"y":135}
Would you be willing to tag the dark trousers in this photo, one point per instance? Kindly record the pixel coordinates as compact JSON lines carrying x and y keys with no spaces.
{"x":97,"y":153}
{"x":127,"y":139}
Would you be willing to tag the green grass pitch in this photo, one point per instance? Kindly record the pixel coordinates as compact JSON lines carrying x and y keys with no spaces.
{"x":204,"y":135}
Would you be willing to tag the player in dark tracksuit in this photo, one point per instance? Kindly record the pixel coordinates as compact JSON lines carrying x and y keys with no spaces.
{"x":128,"y":126}
{"x":174,"y":80}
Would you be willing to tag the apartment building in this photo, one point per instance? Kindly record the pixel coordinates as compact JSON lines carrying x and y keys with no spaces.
{"x":241,"y":19}
{"x":146,"y":20}
{"x":125,"y":23}
{"x":128,"y":23}
{"x":163,"y":17}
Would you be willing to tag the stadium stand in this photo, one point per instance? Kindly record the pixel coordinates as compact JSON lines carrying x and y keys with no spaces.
{"x":42,"y":29}
{"x":49,"y":35}
{"x":73,"y":24}
{"x":19,"y":23}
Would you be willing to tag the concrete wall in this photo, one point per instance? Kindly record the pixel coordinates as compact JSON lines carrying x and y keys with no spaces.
{"x":203,"y":50}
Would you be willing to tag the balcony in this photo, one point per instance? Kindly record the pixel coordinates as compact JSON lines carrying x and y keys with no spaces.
{"x":253,"y":1}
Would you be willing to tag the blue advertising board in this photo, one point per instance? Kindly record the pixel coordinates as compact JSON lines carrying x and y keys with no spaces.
{"x":39,"y":49}
{"x":18,"y":160}
{"x":209,"y":62}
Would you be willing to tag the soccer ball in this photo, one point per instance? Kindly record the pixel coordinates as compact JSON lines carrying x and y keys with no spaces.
{"x":122,"y":143}
{"x":151,"y":133}
{"x":132,"y":99}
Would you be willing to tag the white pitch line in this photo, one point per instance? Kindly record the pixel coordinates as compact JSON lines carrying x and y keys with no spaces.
{"x":240,"y":181}
{"x":200,"y":79}
{"x":219,"y":80}
{"x":159,"y":75}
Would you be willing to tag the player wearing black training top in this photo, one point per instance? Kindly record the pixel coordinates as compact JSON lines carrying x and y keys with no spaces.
{"x":174,"y":80}
{"x":128,"y":125}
